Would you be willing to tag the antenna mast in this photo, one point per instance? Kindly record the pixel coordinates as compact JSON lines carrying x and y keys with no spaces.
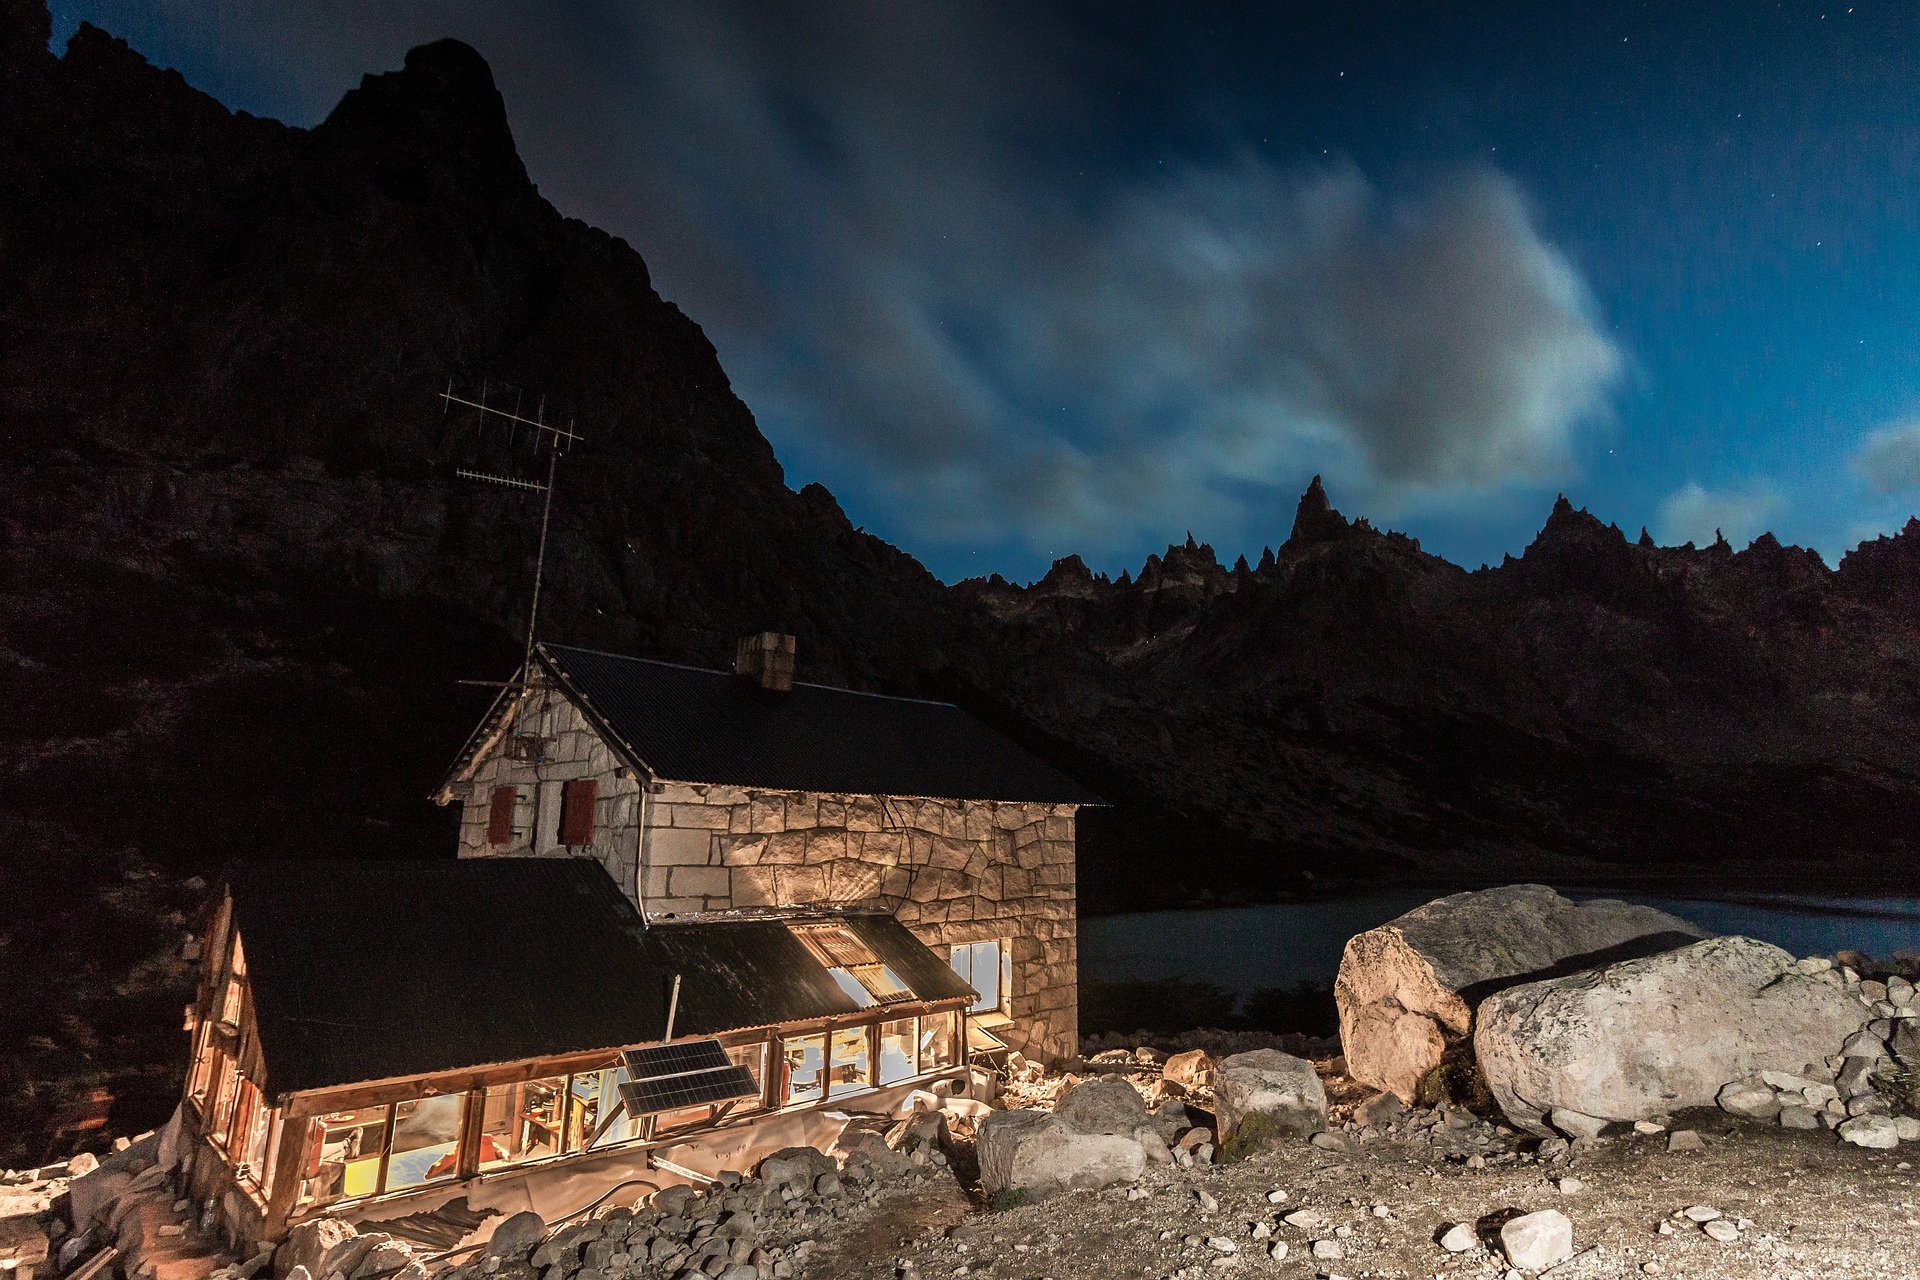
{"x":556,"y":439}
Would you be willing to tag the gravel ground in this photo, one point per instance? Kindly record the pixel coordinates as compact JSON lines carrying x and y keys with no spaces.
{"x":1805,"y":1205}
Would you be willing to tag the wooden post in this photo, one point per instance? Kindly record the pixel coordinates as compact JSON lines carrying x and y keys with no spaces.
{"x":283,"y":1184}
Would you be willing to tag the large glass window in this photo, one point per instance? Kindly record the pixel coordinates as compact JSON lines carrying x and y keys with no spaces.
{"x":523,"y":1121}
{"x":847,"y":1065}
{"x":426,"y":1141}
{"x":226,"y":1097}
{"x":987,"y":968}
{"x":936,"y":1042}
{"x":899,"y":1050}
{"x":803,"y":1063}
{"x":343,"y":1155}
{"x":236,"y":982}
{"x":754,"y":1058}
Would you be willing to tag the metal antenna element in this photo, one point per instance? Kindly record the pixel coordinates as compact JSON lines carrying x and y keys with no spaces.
{"x":556,"y":440}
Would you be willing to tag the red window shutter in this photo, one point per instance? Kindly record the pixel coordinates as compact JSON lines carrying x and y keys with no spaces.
{"x":576,"y":811}
{"x":500,"y":816}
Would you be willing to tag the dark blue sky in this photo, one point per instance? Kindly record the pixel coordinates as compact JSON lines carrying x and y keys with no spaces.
{"x":1021,"y":281}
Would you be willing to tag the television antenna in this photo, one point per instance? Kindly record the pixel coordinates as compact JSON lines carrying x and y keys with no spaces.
{"x":542,"y":435}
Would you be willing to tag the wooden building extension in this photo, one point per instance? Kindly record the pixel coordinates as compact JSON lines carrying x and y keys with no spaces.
{"x":370,"y":1034}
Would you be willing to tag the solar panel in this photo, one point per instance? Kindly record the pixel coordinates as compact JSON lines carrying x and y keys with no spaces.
{"x":675,"y":1059}
{"x":670,"y":1093}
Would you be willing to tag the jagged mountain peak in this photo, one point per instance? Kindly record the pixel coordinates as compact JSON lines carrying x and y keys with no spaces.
{"x":437,"y":128}
{"x":1315,"y":519}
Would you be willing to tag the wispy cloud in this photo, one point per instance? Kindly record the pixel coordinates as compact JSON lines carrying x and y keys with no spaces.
{"x":1693,"y":514}
{"x":1889,"y":459}
{"x":883,"y":216}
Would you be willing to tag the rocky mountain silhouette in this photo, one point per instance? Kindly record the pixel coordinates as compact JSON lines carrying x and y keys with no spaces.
{"x":238,"y":578}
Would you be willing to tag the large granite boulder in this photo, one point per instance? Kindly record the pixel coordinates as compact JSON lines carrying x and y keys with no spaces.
{"x":1643,"y":1038}
{"x":1269,"y":1083}
{"x":1408,"y":987}
{"x":1040,"y":1154}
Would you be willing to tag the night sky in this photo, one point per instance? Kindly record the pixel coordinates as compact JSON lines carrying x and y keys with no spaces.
{"x":1017,"y":282}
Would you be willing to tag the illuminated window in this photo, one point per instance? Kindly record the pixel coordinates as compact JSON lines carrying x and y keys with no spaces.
{"x":426,"y":1141}
{"x":847,"y":1062}
{"x":987,"y":967}
{"x":236,"y":984}
{"x":523,"y":1121}
{"x":342,"y":1159}
{"x":937,"y":1037}
{"x":803,"y":1064}
{"x":753,"y":1057}
{"x":899,"y":1050}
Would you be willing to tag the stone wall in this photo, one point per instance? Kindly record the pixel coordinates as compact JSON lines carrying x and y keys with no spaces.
{"x":573,"y":750}
{"x":952,"y":871}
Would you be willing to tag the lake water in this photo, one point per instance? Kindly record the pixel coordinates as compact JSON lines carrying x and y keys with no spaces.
{"x":1248,"y":948}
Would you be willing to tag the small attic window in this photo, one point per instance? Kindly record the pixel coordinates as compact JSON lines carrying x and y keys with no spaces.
{"x":866,"y":979}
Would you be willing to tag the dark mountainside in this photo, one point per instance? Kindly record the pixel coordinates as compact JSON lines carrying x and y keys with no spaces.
{"x":238,"y":581}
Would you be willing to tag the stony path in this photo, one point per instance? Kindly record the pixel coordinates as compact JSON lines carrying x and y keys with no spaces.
{"x":1803,"y":1205}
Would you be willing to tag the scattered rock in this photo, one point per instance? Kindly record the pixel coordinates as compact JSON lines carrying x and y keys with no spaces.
{"x":1876,"y":1133}
{"x":1328,"y":1250}
{"x":1195,"y":1067}
{"x":1722,"y":1230}
{"x":1685,"y":1140}
{"x":1700,"y":1213}
{"x":1408,"y":987}
{"x":516,"y":1235}
{"x":1571,"y":1186}
{"x":1645,"y":1037}
{"x":1535,"y":1241}
{"x":1799,"y":1118}
{"x":1459,"y":1238}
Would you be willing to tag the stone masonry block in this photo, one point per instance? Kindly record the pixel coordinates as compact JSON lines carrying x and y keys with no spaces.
{"x":768,"y":813}
{"x":756,"y":887}
{"x":678,"y":847}
{"x":801,"y":884}
{"x":705,"y":816}
{"x":787,"y":848}
{"x":742,"y":851}
{"x":850,"y":881}
{"x":710,"y":882}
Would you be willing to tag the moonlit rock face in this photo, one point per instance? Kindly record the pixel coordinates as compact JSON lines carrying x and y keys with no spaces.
{"x":1653,"y":1036}
{"x":1407,"y":987}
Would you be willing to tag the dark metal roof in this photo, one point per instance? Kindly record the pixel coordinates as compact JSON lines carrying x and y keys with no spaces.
{"x":737,"y":974}
{"x":370,"y":970}
{"x":380,"y":970}
{"x":688,"y":724}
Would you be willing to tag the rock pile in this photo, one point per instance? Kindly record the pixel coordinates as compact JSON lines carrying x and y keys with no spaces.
{"x":1843,"y":1091}
{"x":739,"y":1228}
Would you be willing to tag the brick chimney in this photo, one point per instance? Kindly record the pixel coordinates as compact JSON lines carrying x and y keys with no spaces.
{"x":766,"y":659}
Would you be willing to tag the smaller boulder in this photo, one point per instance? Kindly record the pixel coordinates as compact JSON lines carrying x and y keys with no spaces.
{"x":1037,"y":1153}
{"x":1749,"y":1099}
{"x":1458,"y":1238}
{"x":1876,"y":1133}
{"x":1194,"y":1067}
{"x":1102,"y":1106}
{"x":1535,"y":1241}
{"x":517,"y":1235}
{"x":1279,"y":1086}
{"x":796,"y":1167}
